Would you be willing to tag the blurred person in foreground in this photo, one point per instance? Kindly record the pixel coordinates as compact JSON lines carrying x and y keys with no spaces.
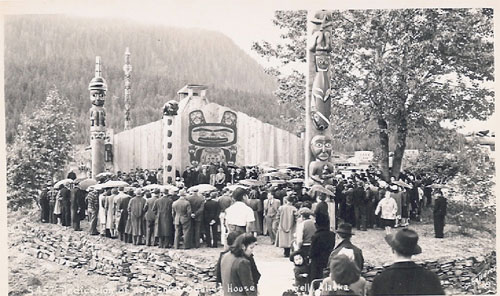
{"x":236,"y":267}
{"x":344,"y":278}
{"x":405,"y":277}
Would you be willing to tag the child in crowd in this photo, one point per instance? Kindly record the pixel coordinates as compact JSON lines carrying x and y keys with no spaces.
{"x":301,"y":271}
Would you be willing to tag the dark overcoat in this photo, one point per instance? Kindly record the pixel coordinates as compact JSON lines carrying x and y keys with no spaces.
{"x":164,"y":219}
{"x":406,"y":278}
{"x":322,"y":244}
{"x":136,"y":213}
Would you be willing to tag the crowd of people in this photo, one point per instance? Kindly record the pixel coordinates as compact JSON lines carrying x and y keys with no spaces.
{"x":312,"y":225}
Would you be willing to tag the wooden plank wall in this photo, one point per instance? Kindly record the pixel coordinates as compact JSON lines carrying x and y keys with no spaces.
{"x":258,"y":143}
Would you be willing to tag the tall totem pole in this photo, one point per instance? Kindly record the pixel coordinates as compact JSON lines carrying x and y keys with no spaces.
{"x":127,"y":68}
{"x":318,"y":144}
{"x":97,"y":88}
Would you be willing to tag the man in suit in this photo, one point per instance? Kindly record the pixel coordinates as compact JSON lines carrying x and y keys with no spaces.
{"x":197,"y":203}
{"x":181,"y":210}
{"x":271,"y":222}
{"x":44,"y":203}
{"x":359,"y":199}
{"x":77,"y":207}
{"x":65,"y":205}
{"x":150,"y":217}
{"x":343,"y":238}
{"x":439,"y":214}
{"x":210,"y":220}
{"x":405,"y":277}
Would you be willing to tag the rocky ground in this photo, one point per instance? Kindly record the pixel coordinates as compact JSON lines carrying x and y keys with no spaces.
{"x":74,"y":263}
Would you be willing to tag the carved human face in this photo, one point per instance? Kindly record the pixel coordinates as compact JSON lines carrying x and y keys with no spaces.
{"x":321,"y":147}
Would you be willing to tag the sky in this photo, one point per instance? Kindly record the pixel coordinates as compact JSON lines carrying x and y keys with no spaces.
{"x":243,"y":21}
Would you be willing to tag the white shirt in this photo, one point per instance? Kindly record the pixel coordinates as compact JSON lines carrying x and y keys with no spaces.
{"x":239,"y":214}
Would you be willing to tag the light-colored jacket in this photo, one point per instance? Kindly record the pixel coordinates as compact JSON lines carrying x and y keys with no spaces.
{"x":388,"y":208}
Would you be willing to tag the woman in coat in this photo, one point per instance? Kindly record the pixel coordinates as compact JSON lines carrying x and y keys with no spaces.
{"x":254,"y":227}
{"x":237,"y":272}
{"x":287,"y":214}
{"x":136,"y":214}
{"x":322,"y":244}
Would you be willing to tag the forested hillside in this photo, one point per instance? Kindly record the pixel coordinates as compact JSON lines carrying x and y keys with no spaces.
{"x":46,"y":51}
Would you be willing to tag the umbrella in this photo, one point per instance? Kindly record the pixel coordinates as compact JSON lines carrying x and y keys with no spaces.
{"x":295,"y":168}
{"x":277,"y":181}
{"x":202,"y":188}
{"x":276,"y":175}
{"x":296,"y":180}
{"x":233,"y":187}
{"x":112,"y":184}
{"x":86,"y":183}
{"x":64,"y":181}
{"x":321,"y":189}
{"x":152,"y":186}
{"x":105,"y":174}
{"x":269,"y":169}
{"x":401,"y":183}
{"x":252,"y":182}
{"x":284,"y":165}
{"x":232,"y":166}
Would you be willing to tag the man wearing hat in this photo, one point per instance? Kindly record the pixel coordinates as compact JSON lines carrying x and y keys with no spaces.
{"x":439,"y":214}
{"x":93,"y":205}
{"x":305,"y":231}
{"x":239,"y":215}
{"x":77,"y":207}
{"x":181,"y":210}
{"x":150,"y":217}
{"x":210,"y":220}
{"x":164,"y":220}
{"x":271,"y":206}
{"x":197,"y":203}
{"x":44,"y":203}
{"x":343,"y":239}
{"x":405,"y":277}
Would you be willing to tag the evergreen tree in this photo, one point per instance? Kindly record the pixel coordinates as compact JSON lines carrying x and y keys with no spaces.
{"x":40,"y":150}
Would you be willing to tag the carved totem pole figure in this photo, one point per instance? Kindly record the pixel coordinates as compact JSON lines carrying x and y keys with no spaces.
{"x":319,"y":144}
{"x":97,"y":88}
{"x":321,"y":47}
{"x":127,"y":69}
{"x":169,"y":112}
{"x":321,"y":170}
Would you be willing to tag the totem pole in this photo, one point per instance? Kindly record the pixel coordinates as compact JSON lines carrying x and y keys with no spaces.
{"x":318,"y":144}
{"x":97,"y":88}
{"x":169,"y":112}
{"x":127,"y":68}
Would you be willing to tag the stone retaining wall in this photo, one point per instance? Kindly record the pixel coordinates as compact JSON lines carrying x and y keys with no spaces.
{"x":134,"y":267}
{"x":475,"y":275}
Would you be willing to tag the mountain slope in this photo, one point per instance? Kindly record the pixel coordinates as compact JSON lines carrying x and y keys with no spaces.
{"x":46,"y":51}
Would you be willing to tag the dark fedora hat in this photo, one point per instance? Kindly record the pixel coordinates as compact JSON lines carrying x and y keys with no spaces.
{"x":345,"y":228}
{"x":405,"y":241}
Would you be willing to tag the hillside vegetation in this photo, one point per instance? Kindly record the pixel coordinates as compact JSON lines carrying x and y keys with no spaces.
{"x":54,"y":50}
